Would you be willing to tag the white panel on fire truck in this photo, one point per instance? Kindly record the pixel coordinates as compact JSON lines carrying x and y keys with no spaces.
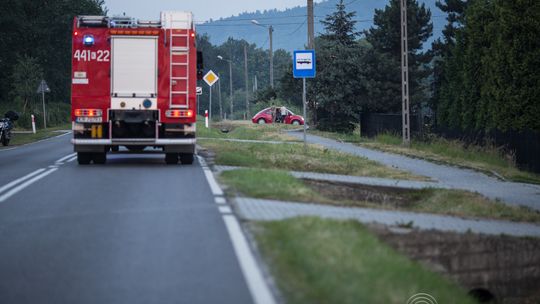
{"x":176,"y":20}
{"x":134,"y":66}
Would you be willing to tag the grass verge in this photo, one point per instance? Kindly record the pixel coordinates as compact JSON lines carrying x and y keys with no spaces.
{"x":293,"y":157}
{"x":246,"y":130}
{"x":279,"y":185}
{"x":327,"y":261}
{"x":18,"y":139}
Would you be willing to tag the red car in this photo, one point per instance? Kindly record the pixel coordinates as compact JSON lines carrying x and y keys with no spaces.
{"x":265,"y":116}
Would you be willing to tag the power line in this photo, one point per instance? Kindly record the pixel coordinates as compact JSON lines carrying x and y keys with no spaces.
{"x":247,"y":24}
{"x":249,"y":19}
{"x":298,"y":28}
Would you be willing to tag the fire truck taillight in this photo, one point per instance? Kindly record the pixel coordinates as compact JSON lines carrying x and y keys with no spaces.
{"x":88,"y":113}
{"x":179,"y":114}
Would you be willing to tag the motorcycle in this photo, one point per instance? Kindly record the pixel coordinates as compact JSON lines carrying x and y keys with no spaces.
{"x":6,"y":125}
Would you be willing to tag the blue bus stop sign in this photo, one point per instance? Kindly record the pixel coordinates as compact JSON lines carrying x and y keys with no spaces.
{"x":304,"y":64}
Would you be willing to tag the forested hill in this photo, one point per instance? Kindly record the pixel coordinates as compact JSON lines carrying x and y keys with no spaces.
{"x":290,"y":29}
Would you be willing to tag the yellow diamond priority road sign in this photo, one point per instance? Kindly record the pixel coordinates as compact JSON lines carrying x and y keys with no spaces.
{"x":210,"y":78}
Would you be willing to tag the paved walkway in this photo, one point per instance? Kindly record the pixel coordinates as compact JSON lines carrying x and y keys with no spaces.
{"x":267,"y":210}
{"x":446,"y":176}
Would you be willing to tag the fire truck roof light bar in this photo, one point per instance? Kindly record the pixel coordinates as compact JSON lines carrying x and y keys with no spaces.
{"x":134,"y":32}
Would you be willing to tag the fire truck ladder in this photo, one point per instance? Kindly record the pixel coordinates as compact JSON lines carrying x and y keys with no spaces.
{"x":181,"y":63}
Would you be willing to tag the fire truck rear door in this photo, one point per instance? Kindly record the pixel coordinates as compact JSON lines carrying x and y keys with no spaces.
{"x":134,"y":68}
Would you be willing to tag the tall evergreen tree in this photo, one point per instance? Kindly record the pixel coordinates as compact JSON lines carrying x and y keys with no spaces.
{"x":490,"y":77}
{"x":442,"y":48}
{"x":340,"y":25}
{"x":337,"y":84}
{"x":385,"y":38}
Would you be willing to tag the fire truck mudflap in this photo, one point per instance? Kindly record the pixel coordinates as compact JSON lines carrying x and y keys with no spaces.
{"x":134,"y":85}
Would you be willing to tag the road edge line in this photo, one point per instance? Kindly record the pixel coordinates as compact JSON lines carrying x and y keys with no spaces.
{"x":257,"y":285}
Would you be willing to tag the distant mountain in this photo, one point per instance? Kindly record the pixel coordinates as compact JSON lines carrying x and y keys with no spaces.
{"x":290,"y":28}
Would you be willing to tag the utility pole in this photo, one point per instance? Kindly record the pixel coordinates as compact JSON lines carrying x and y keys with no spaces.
{"x":310,"y":23}
{"x":405,"y":75}
{"x":230,"y":88}
{"x":270,"y":31}
{"x":247,"y":79}
{"x":219,"y":96}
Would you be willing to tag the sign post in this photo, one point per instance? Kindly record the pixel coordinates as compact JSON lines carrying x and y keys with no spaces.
{"x":33,"y":124}
{"x":304,"y":66}
{"x":42,"y":89}
{"x":210,"y":78}
{"x":199,"y":93}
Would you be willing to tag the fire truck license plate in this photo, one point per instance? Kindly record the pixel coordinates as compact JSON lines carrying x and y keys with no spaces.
{"x":89,"y":119}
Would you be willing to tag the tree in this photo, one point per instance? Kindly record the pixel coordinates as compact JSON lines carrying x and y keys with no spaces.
{"x":26,"y":76}
{"x":442,"y":49}
{"x":340,"y":25}
{"x":336,"y":86}
{"x":41,"y":30}
{"x":490,"y":78}
{"x":384,"y":62}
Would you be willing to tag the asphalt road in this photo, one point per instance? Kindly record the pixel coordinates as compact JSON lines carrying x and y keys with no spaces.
{"x":132,"y":231}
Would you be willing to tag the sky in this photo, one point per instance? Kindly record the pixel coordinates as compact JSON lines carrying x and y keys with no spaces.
{"x":203,"y":10}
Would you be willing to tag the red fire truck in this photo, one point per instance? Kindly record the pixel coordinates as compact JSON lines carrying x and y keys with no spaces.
{"x":134,"y":86}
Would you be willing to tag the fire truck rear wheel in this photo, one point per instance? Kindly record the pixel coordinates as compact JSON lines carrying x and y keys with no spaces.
{"x":99,"y":158}
{"x":186,"y":158}
{"x":84,"y":158}
{"x":171,"y":158}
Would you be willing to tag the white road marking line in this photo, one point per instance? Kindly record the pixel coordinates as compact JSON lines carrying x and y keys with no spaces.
{"x":254,"y":278}
{"x":63,"y":159}
{"x":7,"y":149}
{"x":14,"y":191}
{"x":220,"y":200}
{"x":53,"y":167}
{"x":260,"y":292}
{"x":225,"y":209}
{"x":214,"y":187}
{"x":20,"y":180}
{"x":71,"y":159}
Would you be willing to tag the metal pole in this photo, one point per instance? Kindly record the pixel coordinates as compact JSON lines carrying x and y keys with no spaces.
{"x":44,"y":112}
{"x":310,"y":45}
{"x":230,"y":87}
{"x":405,"y":75}
{"x":311,"y":31}
{"x":304,"y":111}
{"x":247,"y":80}
{"x":210,"y":108}
{"x":220,"y":104}
{"x":270,"y":30}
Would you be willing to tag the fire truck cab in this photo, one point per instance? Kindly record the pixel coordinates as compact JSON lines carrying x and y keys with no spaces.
{"x":134,"y":86}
